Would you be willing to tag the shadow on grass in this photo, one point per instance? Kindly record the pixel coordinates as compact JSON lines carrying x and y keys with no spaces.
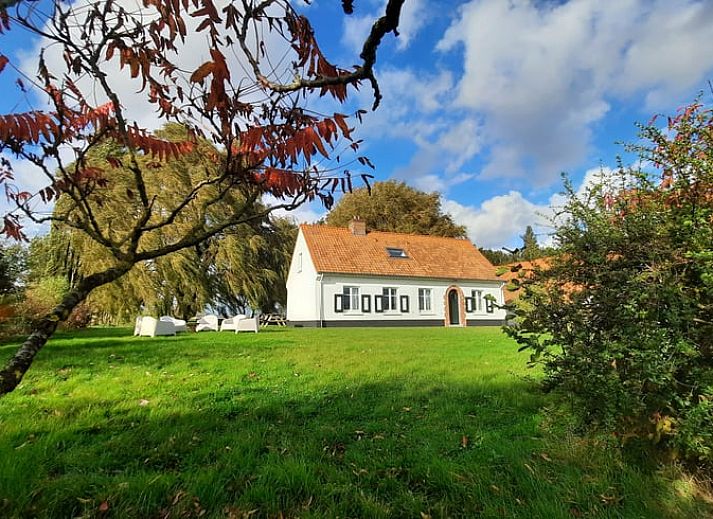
{"x":366,"y":450}
{"x":264,"y":439}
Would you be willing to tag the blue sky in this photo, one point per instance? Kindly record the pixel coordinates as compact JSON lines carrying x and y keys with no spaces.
{"x":488,"y":101}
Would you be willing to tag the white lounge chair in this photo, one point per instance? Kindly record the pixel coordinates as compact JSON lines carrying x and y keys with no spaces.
{"x":180,"y":324}
{"x":251,"y":324}
{"x":230,"y":324}
{"x":151,"y":327}
{"x":207,"y":323}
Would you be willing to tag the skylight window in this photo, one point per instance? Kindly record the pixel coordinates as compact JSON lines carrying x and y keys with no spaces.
{"x":396,"y":253}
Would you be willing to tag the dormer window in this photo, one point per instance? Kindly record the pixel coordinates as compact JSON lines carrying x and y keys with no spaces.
{"x":396,"y":253}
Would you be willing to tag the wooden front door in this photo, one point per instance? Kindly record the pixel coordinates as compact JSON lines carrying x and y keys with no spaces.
{"x":453,"y":307}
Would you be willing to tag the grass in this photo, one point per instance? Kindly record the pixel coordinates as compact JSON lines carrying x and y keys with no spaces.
{"x":308,"y":423}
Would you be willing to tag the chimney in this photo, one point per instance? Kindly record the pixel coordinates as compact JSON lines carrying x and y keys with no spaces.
{"x":357,"y":226}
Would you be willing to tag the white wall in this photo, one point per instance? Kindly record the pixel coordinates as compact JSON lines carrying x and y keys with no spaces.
{"x":334,"y":284}
{"x":302,"y":286}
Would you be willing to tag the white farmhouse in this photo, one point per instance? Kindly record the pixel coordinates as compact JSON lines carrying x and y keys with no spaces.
{"x":351,"y":277}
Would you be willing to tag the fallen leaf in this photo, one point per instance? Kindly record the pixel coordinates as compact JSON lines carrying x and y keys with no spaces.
{"x":545,"y":457}
{"x":143,"y":402}
{"x":104,"y":507}
{"x":179,"y":495}
{"x":464,"y":441}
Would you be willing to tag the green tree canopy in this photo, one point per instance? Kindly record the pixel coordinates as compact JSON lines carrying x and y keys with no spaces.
{"x":395,"y":207}
{"x":13,"y":262}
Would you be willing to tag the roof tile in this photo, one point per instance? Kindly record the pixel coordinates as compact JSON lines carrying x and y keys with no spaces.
{"x":337,"y":250}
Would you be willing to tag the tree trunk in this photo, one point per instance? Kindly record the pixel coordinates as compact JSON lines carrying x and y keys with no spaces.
{"x":18,"y":365}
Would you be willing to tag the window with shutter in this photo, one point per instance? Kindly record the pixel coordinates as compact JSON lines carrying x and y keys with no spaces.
{"x":378,"y":303}
{"x":366,"y":303}
{"x":404,"y":304}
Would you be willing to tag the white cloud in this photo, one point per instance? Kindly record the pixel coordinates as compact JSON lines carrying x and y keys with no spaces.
{"x":499,"y":221}
{"x":306,"y":213}
{"x":542,"y":73}
{"x":355,"y":30}
{"x":413,"y":18}
{"x":356,"y":27}
{"x":437,"y":163}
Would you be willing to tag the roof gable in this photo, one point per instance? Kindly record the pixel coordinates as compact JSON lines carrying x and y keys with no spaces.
{"x":337,"y":250}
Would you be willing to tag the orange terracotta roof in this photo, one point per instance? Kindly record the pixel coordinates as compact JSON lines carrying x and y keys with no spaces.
{"x":337,"y":250}
{"x":525,"y":271}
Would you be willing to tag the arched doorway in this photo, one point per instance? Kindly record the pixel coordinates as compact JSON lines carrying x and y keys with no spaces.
{"x":453,"y":308}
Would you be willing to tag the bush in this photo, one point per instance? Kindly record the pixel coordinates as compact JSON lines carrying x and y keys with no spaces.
{"x":623,"y":317}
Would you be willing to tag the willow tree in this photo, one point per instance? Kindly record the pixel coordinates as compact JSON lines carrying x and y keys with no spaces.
{"x":262,"y":64}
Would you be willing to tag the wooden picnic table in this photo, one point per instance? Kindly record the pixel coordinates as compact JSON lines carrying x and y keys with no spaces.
{"x":272,"y":319}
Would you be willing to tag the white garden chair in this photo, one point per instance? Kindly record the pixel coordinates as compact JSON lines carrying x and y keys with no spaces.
{"x":251,"y":324}
{"x":137,"y":326}
{"x":207,"y":323}
{"x":179,"y":324}
{"x":230,"y":324}
{"x":151,"y":327}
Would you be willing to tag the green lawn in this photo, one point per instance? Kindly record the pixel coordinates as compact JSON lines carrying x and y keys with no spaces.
{"x":307,"y":423}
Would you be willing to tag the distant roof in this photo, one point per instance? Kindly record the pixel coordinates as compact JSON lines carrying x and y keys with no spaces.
{"x":337,"y":250}
{"x":524,"y":271}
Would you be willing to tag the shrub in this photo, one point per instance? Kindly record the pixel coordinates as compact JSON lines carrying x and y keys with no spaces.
{"x":623,"y":317}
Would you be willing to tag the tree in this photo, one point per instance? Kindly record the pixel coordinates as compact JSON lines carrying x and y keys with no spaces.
{"x":395,"y":207}
{"x":234,"y":268}
{"x":13,"y":259}
{"x":530,"y":248}
{"x":267,"y":141}
{"x":622,"y":317}
{"x":498,"y":257}
{"x":528,"y":251}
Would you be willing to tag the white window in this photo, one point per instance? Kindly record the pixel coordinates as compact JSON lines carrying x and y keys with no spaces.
{"x":350,"y":298}
{"x":389,"y":298}
{"x":424,"y":299}
{"x":478,"y":298}
{"x":299,"y":262}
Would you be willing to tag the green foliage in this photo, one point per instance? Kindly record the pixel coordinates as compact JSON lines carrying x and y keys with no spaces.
{"x":244,"y":265}
{"x":13,"y":259}
{"x":395,"y":207}
{"x":530,"y":247}
{"x":309,"y":423}
{"x":40,"y":298}
{"x":528,"y":251}
{"x":623,"y":319}
{"x":498,"y":257}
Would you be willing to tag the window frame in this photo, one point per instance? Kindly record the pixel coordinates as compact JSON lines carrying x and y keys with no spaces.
{"x":350,"y":293}
{"x":422,"y":299}
{"x":477,"y":296}
{"x":390,"y":299}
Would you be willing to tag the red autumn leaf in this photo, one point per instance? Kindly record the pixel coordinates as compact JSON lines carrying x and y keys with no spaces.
{"x":202,"y":72}
{"x":340,"y":119}
{"x":104,"y":507}
{"x":3,"y":61}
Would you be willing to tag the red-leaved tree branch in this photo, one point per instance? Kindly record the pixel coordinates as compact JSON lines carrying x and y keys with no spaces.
{"x":247,"y":98}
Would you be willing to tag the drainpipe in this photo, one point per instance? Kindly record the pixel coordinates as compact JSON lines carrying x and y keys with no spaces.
{"x":321,"y":299}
